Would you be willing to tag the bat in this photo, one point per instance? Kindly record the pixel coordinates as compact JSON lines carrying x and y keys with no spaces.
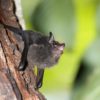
{"x":40,"y":50}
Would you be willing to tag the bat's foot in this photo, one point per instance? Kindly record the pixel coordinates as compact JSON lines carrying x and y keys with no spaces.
{"x":39,"y":79}
{"x":38,"y":85}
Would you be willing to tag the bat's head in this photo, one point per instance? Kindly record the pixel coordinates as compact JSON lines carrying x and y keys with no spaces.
{"x":56,"y":47}
{"x":46,"y":52}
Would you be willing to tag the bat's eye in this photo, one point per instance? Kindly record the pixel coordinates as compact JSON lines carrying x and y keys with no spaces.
{"x":55,"y":43}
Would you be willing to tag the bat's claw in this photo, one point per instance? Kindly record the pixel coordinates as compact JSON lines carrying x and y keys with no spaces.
{"x":22,"y":66}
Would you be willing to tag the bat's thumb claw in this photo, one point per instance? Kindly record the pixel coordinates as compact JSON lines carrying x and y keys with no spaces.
{"x":22,"y":66}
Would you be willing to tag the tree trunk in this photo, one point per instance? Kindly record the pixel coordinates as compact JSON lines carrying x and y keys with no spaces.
{"x":13,"y":83}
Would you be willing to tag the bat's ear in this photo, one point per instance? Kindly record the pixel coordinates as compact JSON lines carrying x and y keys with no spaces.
{"x":51,"y":37}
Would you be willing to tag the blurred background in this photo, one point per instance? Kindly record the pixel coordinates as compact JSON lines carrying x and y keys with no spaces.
{"x":76,"y":23}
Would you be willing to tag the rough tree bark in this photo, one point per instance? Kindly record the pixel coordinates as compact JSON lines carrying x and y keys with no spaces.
{"x":13,"y":82}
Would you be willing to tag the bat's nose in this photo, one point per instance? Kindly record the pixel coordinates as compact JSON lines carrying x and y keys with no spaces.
{"x":62,"y":46}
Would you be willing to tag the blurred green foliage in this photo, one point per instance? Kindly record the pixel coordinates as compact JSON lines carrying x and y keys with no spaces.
{"x":75,"y":22}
